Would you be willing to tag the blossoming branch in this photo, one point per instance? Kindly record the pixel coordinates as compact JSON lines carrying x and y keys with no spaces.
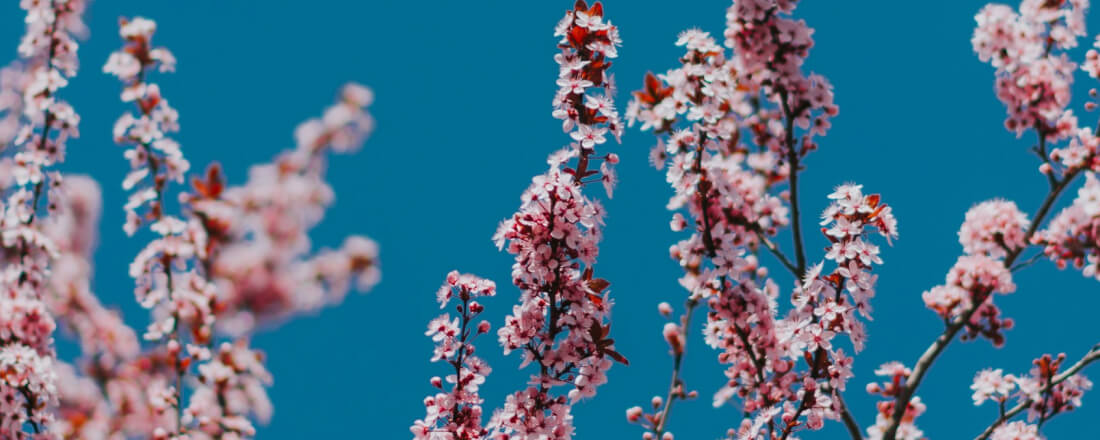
{"x":200,"y":379}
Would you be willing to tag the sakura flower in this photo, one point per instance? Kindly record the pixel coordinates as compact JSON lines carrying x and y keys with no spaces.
{"x":992,"y":384}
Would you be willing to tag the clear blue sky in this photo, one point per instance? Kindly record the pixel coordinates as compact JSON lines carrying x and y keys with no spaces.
{"x":463,"y":106}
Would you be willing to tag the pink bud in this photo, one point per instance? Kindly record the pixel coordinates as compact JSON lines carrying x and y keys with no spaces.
{"x":665,"y":309}
{"x":674,"y":338}
{"x":633,"y":414}
{"x":657,"y":402}
{"x":437,"y":382}
{"x":483,"y":327}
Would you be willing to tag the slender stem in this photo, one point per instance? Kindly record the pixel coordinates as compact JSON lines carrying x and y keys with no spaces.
{"x":1091,"y":356}
{"x":846,"y":416}
{"x":32,"y":402}
{"x":793,"y":157}
{"x":777,"y":253}
{"x":906,"y":393}
{"x":675,"y":386}
{"x":1027,"y":262}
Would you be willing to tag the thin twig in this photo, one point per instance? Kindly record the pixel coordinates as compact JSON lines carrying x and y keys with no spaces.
{"x":676,"y":383}
{"x":1027,"y":262}
{"x":792,"y":161}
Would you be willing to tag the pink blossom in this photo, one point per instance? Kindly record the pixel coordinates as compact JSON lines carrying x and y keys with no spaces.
{"x":1073,"y":236}
{"x":1032,"y":80}
{"x":993,"y":385}
{"x":993,"y":228}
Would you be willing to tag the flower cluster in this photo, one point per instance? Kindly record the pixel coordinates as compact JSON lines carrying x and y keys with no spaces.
{"x":456,"y":413}
{"x":85,"y":409}
{"x":993,"y":228}
{"x":1073,"y":236}
{"x":587,"y":43}
{"x":262,"y":227}
{"x":167,"y":274}
{"x":1032,"y":81}
{"x":821,"y":311}
{"x":769,"y":49}
{"x":39,"y":125}
{"x":1044,"y":392}
{"x":898,"y":374}
{"x":560,"y":322}
{"x":231,"y":392}
{"x":845,"y":222}
{"x":727,"y":132}
{"x":181,"y":275}
{"x":1034,"y":78}
{"x":992,"y":232}
{"x":968,"y":295}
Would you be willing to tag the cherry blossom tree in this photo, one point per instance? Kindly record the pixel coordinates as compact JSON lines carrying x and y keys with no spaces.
{"x":734,"y":123}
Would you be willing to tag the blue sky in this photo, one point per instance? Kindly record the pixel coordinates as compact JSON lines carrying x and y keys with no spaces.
{"x":463,"y":107}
